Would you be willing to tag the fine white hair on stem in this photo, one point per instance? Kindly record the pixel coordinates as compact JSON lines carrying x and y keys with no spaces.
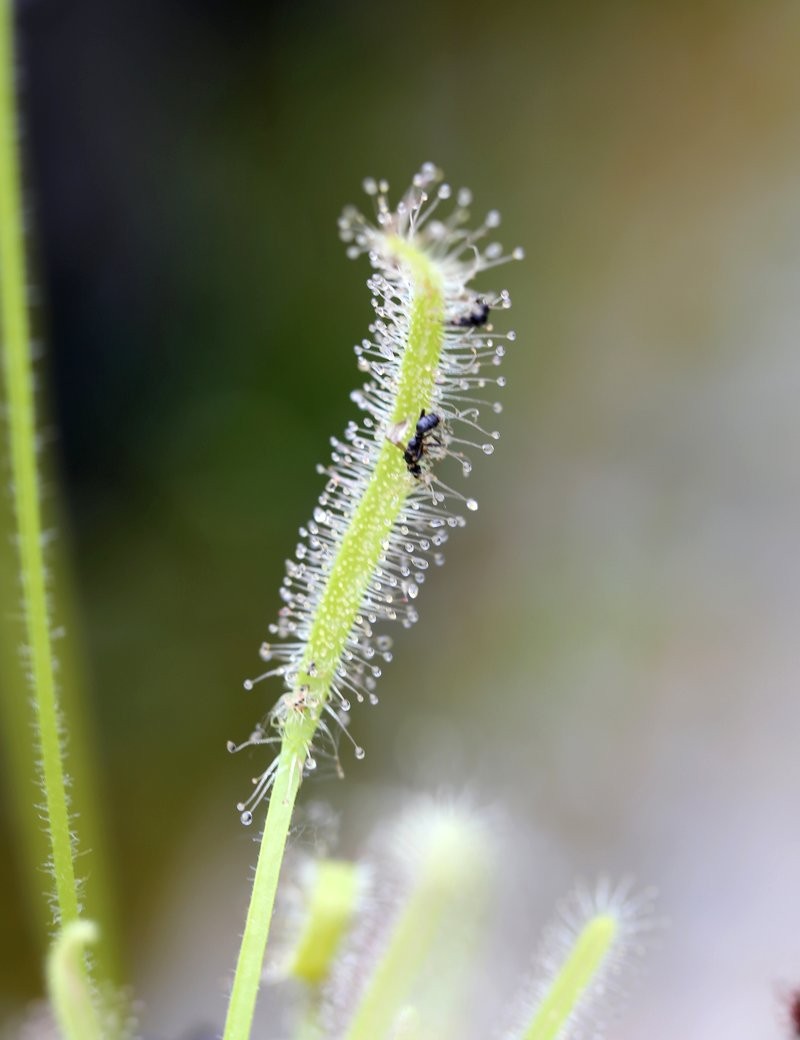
{"x":391,"y":497}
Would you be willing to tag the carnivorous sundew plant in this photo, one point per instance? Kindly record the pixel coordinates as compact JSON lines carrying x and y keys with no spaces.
{"x":389,"y":502}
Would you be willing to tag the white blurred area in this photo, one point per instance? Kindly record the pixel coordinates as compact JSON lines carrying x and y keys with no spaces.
{"x":612,"y":652}
{"x":652,"y":592}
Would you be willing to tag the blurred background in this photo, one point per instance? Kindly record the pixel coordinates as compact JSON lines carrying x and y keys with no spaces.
{"x":611,"y":654}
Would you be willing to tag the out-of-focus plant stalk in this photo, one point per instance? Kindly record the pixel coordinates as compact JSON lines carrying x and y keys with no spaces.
{"x":568,"y":988}
{"x":18,"y":372}
{"x":447,"y":855}
{"x":19,"y":406}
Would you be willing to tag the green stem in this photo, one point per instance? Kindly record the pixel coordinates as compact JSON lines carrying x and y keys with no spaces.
{"x":28,"y":841}
{"x":358,"y":557}
{"x":27,"y":528}
{"x":99,"y":902}
{"x":19,"y":389}
{"x":564,"y":995}
{"x":262,"y":900}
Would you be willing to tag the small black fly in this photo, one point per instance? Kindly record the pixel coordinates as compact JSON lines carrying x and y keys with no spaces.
{"x":415,"y":448}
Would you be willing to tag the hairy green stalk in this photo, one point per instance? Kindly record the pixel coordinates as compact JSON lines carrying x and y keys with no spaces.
{"x":98,"y":896}
{"x":358,"y":556}
{"x":19,"y":391}
{"x":21,"y":421}
{"x":28,"y":840}
{"x":21,"y":767}
{"x":564,"y":995}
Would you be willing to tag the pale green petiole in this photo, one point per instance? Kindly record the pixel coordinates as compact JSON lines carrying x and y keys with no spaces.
{"x":332,"y":903}
{"x":563,"y":997}
{"x":410,"y":980}
{"x":67,"y":983}
{"x":333,"y":896}
{"x":358,"y":556}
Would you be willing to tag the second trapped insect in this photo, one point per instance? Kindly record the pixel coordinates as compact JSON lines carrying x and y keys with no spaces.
{"x":475,"y":317}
